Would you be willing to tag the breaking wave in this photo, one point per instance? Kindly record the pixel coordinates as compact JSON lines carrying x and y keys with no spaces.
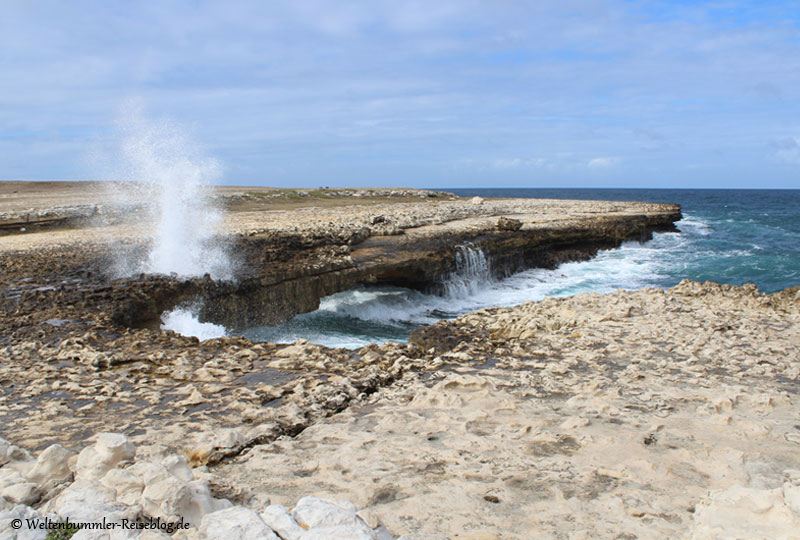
{"x":185,"y":322}
{"x":373,"y":315}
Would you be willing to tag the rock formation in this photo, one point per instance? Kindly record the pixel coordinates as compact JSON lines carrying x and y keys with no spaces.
{"x":635,"y":414}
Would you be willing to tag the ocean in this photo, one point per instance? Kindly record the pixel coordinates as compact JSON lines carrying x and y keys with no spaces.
{"x":727,"y":236}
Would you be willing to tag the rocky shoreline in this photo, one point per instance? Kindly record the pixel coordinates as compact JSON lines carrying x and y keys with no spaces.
{"x":639,"y":414}
{"x":649,"y":413}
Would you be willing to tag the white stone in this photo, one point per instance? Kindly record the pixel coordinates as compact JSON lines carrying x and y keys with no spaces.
{"x":280,"y":521}
{"x":740,"y":512}
{"x":10,"y":452}
{"x":791,"y":495}
{"x":154,"y":535}
{"x":235,"y":523}
{"x":228,"y":438}
{"x":14,"y":458}
{"x":109,"y":450}
{"x":148,"y":471}
{"x":51,"y":465}
{"x":24,"y":533}
{"x":9,"y":477}
{"x":178,"y":467}
{"x":23,"y":493}
{"x":99,"y":534}
{"x":314,"y":512}
{"x":4,"y":446}
{"x":170,"y":498}
{"x":338,"y":533}
{"x":421,"y":536}
{"x":83,"y":501}
{"x":126,"y":484}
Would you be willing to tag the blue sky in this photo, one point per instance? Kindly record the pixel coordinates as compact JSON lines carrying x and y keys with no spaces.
{"x":439,"y":93}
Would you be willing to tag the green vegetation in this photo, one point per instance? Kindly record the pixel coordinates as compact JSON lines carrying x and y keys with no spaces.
{"x":63,"y":534}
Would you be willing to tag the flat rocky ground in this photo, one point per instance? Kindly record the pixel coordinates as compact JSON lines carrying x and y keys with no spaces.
{"x":649,"y":414}
{"x":644,"y":414}
{"x":97,"y":217}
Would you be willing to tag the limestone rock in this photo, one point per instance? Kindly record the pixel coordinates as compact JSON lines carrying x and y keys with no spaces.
{"x":10,"y":452}
{"x":178,"y":467}
{"x":235,"y":523}
{"x":420,"y":536}
{"x":337,"y":533}
{"x":228,"y":438}
{"x":90,"y":502}
{"x":24,"y":533}
{"x":14,"y":457}
{"x":127,"y":485}
{"x":109,"y":450}
{"x":314,"y":512}
{"x":51,"y":465}
{"x":740,"y":512}
{"x":154,"y":535}
{"x":9,"y":477}
{"x":170,"y":498}
{"x":26,"y":493}
{"x":280,"y":521}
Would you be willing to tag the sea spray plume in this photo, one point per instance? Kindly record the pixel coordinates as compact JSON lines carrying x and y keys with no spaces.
{"x":172,"y":180}
{"x":186,"y":322}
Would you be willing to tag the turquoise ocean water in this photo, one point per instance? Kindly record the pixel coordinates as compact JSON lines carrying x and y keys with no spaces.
{"x":728,"y":236}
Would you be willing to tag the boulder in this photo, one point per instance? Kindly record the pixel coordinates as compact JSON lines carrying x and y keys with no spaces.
{"x":90,"y":502}
{"x":338,"y":533}
{"x":51,"y":465}
{"x":24,"y":533}
{"x":109,"y":450}
{"x":127,"y":485}
{"x":170,"y":498}
{"x":235,"y":523}
{"x":9,"y":477}
{"x":280,"y":521}
{"x":14,"y":457}
{"x":26,"y":493}
{"x":178,"y":467}
{"x":154,"y":535}
{"x":314,"y":512}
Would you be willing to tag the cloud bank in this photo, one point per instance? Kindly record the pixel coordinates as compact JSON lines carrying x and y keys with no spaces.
{"x":448,"y":93}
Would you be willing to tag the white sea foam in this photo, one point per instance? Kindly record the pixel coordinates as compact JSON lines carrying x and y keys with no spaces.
{"x":357,"y":317}
{"x":186,"y":323}
{"x":694,"y":225}
{"x":473,"y":273}
{"x":168,"y":177}
{"x":381,"y":304}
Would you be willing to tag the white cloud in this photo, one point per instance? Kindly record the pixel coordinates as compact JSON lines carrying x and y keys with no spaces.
{"x":283,"y":86}
{"x":602,"y":162}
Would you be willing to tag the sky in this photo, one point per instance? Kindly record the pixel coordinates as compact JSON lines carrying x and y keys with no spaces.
{"x":466,"y":93}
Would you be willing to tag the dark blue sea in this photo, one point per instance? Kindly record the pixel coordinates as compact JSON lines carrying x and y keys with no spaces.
{"x":727,"y":236}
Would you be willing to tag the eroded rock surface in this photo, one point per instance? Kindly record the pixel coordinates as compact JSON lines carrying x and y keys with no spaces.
{"x":648,"y":414}
{"x":154,"y":496}
{"x":633,"y":414}
{"x":639,"y":413}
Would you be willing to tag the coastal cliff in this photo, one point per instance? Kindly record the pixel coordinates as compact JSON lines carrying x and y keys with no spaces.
{"x":286,"y":260}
